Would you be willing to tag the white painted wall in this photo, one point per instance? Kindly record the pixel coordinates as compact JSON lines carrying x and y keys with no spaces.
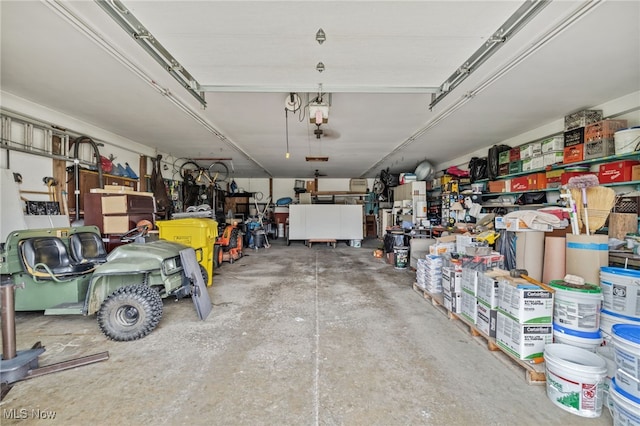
{"x":617,"y":108}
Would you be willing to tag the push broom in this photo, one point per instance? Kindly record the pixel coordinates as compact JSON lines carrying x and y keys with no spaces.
{"x":583,"y":182}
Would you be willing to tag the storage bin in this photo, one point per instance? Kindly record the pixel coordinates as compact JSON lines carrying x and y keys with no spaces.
{"x":199,"y":233}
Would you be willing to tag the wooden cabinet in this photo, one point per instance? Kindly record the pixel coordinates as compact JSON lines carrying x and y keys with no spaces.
{"x":88,"y":179}
{"x":117,"y":213}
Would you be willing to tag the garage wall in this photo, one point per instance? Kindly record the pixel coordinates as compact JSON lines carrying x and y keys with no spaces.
{"x":626,"y":107}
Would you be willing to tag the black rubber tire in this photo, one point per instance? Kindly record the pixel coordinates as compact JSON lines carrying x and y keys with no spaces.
{"x":130,"y":313}
{"x":233,"y":238}
{"x":217,"y":256}
{"x":218,"y":171}
{"x":205,"y":274}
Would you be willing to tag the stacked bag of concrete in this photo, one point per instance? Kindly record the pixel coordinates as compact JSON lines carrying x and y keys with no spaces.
{"x":487,"y":298}
{"x":429,"y":274}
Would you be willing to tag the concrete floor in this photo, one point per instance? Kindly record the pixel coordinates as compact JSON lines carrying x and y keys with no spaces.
{"x":297,"y":336}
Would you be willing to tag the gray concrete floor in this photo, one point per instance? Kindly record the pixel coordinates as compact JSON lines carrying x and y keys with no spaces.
{"x":297,"y":336}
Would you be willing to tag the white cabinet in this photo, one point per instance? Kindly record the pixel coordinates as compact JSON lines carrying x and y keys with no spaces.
{"x":410,"y":201}
{"x":325,"y":222}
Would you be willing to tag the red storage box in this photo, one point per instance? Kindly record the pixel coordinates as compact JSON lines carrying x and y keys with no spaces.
{"x":514,"y":154}
{"x":564,"y":179}
{"x":573,"y":154}
{"x":618,"y":171}
{"x":520,"y":184}
{"x":537,"y":181}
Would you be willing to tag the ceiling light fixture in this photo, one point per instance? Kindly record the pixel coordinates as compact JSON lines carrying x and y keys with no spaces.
{"x":321,"y":36}
{"x":317,"y":158}
{"x":320,"y":67}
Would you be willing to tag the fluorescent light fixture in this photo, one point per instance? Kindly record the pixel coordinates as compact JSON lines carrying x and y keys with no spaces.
{"x":317,"y":158}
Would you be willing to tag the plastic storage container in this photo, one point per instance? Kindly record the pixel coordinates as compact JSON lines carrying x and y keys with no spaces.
{"x":199,"y":233}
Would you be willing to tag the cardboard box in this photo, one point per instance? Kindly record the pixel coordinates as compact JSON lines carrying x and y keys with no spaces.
{"x":523,"y":341}
{"x":537,"y":181}
{"x":503,"y":157}
{"x":564,"y":177}
{"x":574,"y":137}
{"x":514,"y":154}
{"x":486,"y":319}
{"x":520,"y":183}
{"x":555,"y":143}
{"x":358,"y":185}
{"x":488,"y":287}
{"x":527,"y":165}
{"x":515,"y":167}
{"x":482,"y":263}
{"x":537,"y":162}
{"x":115,"y":204}
{"x":573,"y":154}
{"x":554,"y":157}
{"x":469,"y":306}
{"x":497,"y":186}
{"x":469,"y":280}
{"x":635,"y":172}
{"x":526,"y":151}
{"x":524,"y":302}
{"x":464,"y":241}
{"x":116,"y":224}
{"x":453,"y":302}
{"x":503,"y":169}
{"x":618,"y":171}
{"x":455,"y":281}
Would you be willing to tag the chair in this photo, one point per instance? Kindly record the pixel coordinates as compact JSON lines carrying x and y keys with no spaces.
{"x":87,"y":247}
{"x":47,"y":257}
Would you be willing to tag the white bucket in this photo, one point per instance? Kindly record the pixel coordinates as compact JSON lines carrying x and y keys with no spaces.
{"x":588,"y":341}
{"x":626,"y":140}
{"x":626,"y":408}
{"x":575,"y":379}
{"x":608,"y":319}
{"x":281,"y":230}
{"x":626,"y":344}
{"x":620,"y":290}
{"x":606,"y":352}
{"x":356,"y":243}
{"x":628,"y":383}
{"x":577,"y":307}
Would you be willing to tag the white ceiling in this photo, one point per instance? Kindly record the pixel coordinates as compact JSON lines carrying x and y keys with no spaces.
{"x":256,"y":52}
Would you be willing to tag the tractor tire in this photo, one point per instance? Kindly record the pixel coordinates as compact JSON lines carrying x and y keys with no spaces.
{"x":218,"y":256}
{"x":205,"y":275}
{"x":130,"y":313}
{"x":233,"y":238}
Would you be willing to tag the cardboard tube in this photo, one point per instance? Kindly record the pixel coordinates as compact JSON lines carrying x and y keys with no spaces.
{"x":530,"y":252}
{"x":554,"y":267}
{"x":585,"y":255}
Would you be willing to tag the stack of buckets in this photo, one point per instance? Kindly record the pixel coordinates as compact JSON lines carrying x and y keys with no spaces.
{"x":575,"y":373}
{"x":620,"y":325}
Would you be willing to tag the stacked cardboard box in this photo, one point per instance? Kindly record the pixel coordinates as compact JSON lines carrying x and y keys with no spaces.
{"x":524,"y":318}
{"x":472,"y":269}
{"x":487,"y":296}
{"x":452,"y":288}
